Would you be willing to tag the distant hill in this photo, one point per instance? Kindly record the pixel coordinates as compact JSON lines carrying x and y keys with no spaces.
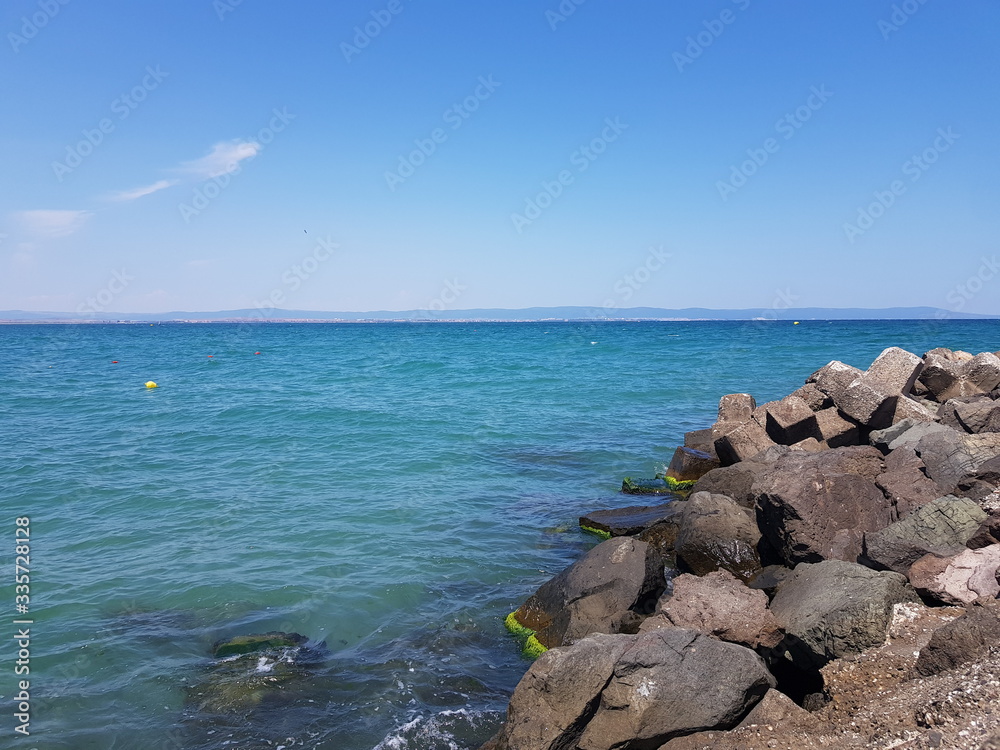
{"x":524,"y":314}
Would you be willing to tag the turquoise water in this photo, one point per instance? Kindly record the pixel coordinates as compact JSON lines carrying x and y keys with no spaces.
{"x":391,"y":489}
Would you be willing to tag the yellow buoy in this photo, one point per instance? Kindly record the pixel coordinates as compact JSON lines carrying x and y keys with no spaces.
{"x":151,"y":384}
{"x":795,"y":323}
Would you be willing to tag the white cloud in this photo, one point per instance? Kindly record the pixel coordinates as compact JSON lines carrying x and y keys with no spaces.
{"x":139,"y":192}
{"x":224,"y":158}
{"x":50,"y":224}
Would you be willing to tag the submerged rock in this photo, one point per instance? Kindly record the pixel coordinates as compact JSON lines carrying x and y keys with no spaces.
{"x":245,"y":644}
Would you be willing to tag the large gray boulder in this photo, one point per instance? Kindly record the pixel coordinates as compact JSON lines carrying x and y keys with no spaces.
{"x":942,"y":527}
{"x":610,"y":590}
{"x":614,"y":692}
{"x":818,"y":506}
{"x":905,"y":432}
{"x":869,"y":403}
{"x":736,"y":481}
{"x":952,"y":457}
{"x":789,"y":421}
{"x":716,"y":533}
{"x":719,"y":605}
{"x":834,"y":609}
{"x":672,"y":682}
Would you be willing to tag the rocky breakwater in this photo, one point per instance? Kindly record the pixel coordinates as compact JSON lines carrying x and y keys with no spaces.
{"x":830,"y":554}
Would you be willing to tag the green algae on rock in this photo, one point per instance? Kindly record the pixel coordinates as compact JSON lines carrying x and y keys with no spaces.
{"x":532,"y":647}
{"x":246,"y":644}
{"x":601,"y":533}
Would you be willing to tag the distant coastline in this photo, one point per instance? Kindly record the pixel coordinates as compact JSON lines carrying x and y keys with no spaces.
{"x":525,"y":315}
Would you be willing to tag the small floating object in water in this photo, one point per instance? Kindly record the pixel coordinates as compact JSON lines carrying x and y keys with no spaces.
{"x":114,"y":361}
{"x":592,"y":343}
{"x":151,"y":384}
{"x":795,"y":323}
{"x":210,"y":356}
{"x":255,"y":353}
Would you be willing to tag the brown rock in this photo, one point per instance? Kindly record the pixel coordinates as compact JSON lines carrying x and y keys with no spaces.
{"x":908,"y":408}
{"x":736,"y":408}
{"x":869,"y":403}
{"x":905,"y":483}
{"x":689,"y":465}
{"x":790,"y":420}
{"x":742,"y":443}
{"x":834,"y":430}
{"x":719,"y":605}
{"x":814,"y":398}
{"x":961,"y":640}
{"x":716,"y":533}
{"x":818,"y":506}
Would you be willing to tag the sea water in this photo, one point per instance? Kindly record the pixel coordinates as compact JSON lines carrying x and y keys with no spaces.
{"x":392,"y":491}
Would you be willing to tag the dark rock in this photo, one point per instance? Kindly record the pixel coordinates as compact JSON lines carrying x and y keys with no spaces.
{"x":790,"y":420}
{"x":833,"y":378}
{"x":672,"y":682}
{"x":656,"y":486}
{"x":734,"y":481}
{"x":947,"y":413}
{"x":246,"y":644}
{"x":559,"y":694}
{"x":818,"y":506}
{"x":949,"y":375}
{"x":814,"y":398}
{"x":701,"y":440}
{"x":834,"y":609}
{"x":905,"y":483}
{"x":960,"y":641}
{"x":958,"y":579}
{"x":988,"y":533}
{"x":721,"y":606}
{"x":834,"y":430}
{"x":942,"y":527}
{"x":633,"y":519}
{"x":742,"y":443}
{"x":982,"y":416}
{"x":690,"y":465}
{"x":609,"y":590}
{"x":663,"y":536}
{"x":715,"y":534}
{"x":769,"y":578}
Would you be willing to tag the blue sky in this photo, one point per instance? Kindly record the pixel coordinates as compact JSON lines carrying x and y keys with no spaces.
{"x":399,"y":154}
